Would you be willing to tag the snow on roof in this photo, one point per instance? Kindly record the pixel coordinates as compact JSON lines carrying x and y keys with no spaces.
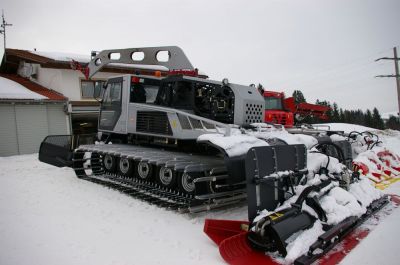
{"x":64,"y":57}
{"x":12,"y":90}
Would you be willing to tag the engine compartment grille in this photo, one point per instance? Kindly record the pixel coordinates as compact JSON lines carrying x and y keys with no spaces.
{"x":153,"y":122}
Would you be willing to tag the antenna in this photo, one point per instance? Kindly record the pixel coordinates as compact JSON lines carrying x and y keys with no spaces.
{"x":3,"y":31}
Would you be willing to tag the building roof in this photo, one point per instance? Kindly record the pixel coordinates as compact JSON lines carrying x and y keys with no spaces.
{"x":14,"y":89}
{"x":60,"y":60}
{"x":63,"y":61}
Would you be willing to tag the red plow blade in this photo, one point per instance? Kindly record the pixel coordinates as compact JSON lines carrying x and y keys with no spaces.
{"x":231,"y":238}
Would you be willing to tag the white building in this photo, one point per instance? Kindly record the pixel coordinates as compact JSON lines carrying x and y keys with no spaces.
{"x":67,"y":105}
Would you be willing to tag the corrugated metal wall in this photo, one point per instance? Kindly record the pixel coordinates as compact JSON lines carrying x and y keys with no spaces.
{"x":24,"y":126}
{"x":8,"y":127}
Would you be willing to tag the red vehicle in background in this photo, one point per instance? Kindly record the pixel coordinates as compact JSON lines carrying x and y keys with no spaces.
{"x":275,"y":111}
{"x":285,"y":111}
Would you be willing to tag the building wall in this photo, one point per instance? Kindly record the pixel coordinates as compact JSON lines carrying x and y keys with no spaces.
{"x":68,"y":83}
{"x":26,"y":125}
{"x":64,"y":81}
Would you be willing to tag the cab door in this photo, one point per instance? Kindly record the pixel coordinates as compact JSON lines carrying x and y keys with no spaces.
{"x":110,"y":109}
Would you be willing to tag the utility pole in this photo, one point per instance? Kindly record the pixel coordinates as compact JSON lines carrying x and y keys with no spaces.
{"x":396,"y":75}
{"x":3,"y":31}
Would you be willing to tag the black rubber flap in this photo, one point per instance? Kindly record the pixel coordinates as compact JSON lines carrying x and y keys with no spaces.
{"x":265,"y":192}
{"x":56,"y":150}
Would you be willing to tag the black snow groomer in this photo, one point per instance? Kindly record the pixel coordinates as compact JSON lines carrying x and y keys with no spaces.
{"x":269,"y":232}
{"x":148,"y":129}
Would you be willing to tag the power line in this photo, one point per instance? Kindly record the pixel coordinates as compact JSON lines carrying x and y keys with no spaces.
{"x":3,"y":31}
{"x":361,"y":61}
{"x":396,"y":75}
{"x":387,"y":76}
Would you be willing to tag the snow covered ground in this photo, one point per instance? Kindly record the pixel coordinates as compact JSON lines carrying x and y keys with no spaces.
{"x":48,"y":216}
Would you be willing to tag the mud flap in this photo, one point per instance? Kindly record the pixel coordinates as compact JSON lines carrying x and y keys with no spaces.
{"x":56,"y":150}
{"x":271,"y":171}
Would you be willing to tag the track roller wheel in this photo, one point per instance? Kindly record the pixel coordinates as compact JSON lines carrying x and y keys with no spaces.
{"x":186,"y":183}
{"x":126,"y":167}
{"x":166,"y":177}
{"x":144,"y":170}
{"x":110,"y":163}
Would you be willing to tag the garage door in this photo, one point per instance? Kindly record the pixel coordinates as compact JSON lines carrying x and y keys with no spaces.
{"x":56,"y":119}
{"x":8,"y":136}
{"x":28,"y":125}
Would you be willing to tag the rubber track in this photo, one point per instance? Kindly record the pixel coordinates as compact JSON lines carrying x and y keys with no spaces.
{"x":144,"y":192}
{"x":150,"y":192}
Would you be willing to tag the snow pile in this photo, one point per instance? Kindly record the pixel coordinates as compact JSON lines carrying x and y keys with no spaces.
{"x":340,"y":204}
{"x":282,"y":134}
{"x":316,"y":160}
{"x":12,"y":90}
{"x":337,"y":137}
{"x":346,"y":127}
{"x":365,"y":192}
{"x":234,"y":145}
{"x":302,"y":243}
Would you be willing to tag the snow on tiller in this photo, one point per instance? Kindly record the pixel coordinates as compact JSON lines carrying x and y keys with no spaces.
{"x":373,"y":160}
{"x":297,"y":216}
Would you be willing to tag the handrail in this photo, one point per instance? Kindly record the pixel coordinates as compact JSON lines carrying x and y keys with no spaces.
{"x":176,"y":60}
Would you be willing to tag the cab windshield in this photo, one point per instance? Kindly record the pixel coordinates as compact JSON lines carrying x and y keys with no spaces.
{"x":272,"y":103}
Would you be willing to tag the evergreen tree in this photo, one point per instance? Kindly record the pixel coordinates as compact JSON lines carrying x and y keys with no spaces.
{"x":368,"y":118}
{"x":341,"y":115}
{"x":298,"y":97}
{"x":393,"y":123}
{"x":377,"y":119}
{"x":359,"y":117}
{"x":335,"y":113}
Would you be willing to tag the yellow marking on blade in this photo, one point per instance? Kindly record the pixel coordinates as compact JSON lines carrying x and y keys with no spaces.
{"x":386,"y":183}
{"x":244,"y":227}
{"x":275,"y":216}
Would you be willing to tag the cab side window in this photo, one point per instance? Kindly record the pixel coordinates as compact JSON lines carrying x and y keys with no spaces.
{"x":137,"y":93}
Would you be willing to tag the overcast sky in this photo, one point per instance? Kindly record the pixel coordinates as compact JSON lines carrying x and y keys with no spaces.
{"x":325,"y":48}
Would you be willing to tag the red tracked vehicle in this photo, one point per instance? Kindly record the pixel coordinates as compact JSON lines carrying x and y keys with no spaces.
{"x":286,"y":111}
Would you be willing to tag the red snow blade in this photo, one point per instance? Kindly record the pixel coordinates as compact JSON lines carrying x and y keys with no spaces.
{"x":231,"y":238}
{"x":219,"y":230}
{"x":237,"y":251}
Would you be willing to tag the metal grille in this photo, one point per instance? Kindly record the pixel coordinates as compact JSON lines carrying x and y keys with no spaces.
{"x":279,"y":118}
{"x":183,"y":120}
{"x":208,"y":125}
{"x":153,"y":122}
{"x":254,"y":113}
{"x":196,"y":124}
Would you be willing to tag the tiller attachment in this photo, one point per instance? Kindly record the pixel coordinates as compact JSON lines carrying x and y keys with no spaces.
{"x":270,"y":184}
